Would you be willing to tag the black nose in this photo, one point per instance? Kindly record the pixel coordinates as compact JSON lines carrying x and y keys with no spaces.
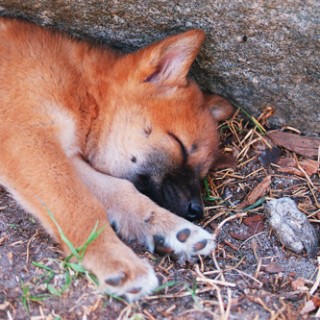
{"x":195,"y":210}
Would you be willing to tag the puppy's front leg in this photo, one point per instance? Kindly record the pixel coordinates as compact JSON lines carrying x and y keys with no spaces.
{"x":135,"y":216}
{"x":35,"y":169}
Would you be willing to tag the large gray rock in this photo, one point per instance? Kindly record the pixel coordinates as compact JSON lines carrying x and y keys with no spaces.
{"x":257,"y":53}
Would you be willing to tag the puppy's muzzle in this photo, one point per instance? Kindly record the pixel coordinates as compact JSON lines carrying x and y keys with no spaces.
{"x":179,"y":192}
{"x":195,"y":210}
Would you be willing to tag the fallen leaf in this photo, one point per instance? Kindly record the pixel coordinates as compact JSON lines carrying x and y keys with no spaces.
{"x":291,"y":170}
{"x":286,"y":162}
{"x":239,"y":235}
{"x":289,"y":165}
{"x":259,"y":191}
{"x":273,"y":268}
{"x":305,"y":146}
{"x":259,"y":227}
{"x":255,"y":225}
{"x":309,"y":166}
{"x":253,"y":220}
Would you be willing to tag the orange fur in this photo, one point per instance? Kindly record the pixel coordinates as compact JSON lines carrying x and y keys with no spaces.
{"x":79,"y":122}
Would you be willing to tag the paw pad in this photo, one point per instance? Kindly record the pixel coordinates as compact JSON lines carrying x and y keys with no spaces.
{"x":116,"y":280}
{"x":183,"y":235}
{"x":200,"y":245}
{"x":184,"y":241}
{"x":134,"y":290}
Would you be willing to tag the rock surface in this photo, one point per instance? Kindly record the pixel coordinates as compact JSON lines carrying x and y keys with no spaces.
{"x":257,"y":53}
{"x":291,"y":226}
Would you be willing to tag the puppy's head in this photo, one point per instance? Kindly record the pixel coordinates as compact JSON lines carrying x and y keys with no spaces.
{"x":162,"y":130}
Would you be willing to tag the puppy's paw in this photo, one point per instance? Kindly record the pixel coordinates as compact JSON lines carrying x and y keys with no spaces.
{"x":121,"y":273}
{"x":185,"y":240}
{"x":132,"y":288}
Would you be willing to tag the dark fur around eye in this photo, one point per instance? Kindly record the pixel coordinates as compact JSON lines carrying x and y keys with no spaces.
{"x":182,"y":147}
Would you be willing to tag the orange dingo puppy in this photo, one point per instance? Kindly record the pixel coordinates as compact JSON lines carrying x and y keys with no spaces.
{"x":96,"y":136}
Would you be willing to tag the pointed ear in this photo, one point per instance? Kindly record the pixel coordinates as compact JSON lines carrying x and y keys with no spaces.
{"x":224,"y":160}
{"x":168,"y":62}
{"x":221,"y":108}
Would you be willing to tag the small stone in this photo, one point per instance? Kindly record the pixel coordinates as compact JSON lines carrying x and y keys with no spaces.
{"x":291,"y":226}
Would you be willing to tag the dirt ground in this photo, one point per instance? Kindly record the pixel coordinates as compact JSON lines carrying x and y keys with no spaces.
{"x":251,"y":275}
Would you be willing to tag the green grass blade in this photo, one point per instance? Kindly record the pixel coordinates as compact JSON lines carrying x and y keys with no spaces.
{"x":256,"y":204}
{"x":54,"y":291}
{"x":42,"y":266}
{"x":92,"y":278}
{"x":68,"y":280}
{"x":25,"y":297}
{"x":62,"y":235}
{"x":168,"y":284}
{"x":93,"y":236}
{"x":40,"y":297}
{"x":76,"y":267}
{"x":78,"y":253}
{"x":208,"y":196}
{"x":114,"y":296}
{"x":253,"y":119}
{"x":206,"y":186}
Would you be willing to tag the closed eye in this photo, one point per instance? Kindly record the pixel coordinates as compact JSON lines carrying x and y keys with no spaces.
{"x":183,"y":148}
